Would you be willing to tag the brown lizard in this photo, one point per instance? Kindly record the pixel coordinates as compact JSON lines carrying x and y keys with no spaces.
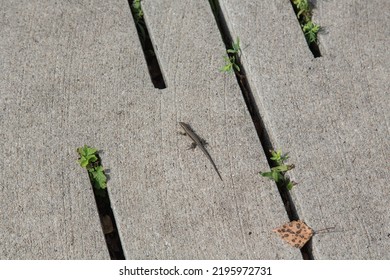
{"x":198,"y":142}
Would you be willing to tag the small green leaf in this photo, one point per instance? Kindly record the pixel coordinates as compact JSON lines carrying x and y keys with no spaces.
{"x":277,"y":176}
{"x":85,"y":151}
{"x":138,"y":10}
{"x":226,"y":68}
{"x":276,"y":155}
{"x":282,"y":168}
{"x":99,"y":177}
{"x":92,"y":158}
{"x":228,"y":65}
{"x":83,"y":162}
{"x":235,"y":47}
{"x":87,"y":156}
{"x":302,"y":5}
{"x":310,"y":29}
{"x":290,"y":185}
{"x":267,"y":174}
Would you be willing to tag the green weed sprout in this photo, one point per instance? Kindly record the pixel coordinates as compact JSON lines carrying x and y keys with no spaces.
{"x":90,"y":161}
{"x":277,"y":173}
{"x":236,"y":47}
{"x":136,"y":6}
{"x":304,"y":16}
{"x":87,"y":156}
{"x":303,"y":8}
{"x":231,"y":58}
{"x":139,"y":18}
{"x":310,"y":30}
{"x":230,"y":64}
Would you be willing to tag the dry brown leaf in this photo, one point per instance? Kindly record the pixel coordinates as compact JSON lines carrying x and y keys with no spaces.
{"x":295,"y":233}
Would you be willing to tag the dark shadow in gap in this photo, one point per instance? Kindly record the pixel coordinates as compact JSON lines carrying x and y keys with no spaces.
{"x":108,"y":222}
{"x":256,"y":118}
{"x":315,"y":49}
{"x":109,"y":227}
{"x":307,"y":250}
{"x":147,"y":46}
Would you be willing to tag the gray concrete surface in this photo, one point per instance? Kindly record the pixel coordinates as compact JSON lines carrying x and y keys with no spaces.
{"x":169,"y":201}
{"x":72,"y":74}
{"x":68,"y":71}
{"x":331,"y":114}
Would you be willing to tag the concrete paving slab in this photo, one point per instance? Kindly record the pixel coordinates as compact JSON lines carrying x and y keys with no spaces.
{"x":68,"y":71}
{"x":331,"y":114}
{"x":169,"y":202}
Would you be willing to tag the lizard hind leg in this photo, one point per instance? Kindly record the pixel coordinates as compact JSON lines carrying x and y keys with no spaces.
{"x":193,"y":146}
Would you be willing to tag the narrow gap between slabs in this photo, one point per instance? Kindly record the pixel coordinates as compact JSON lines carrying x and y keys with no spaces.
{"x":107,"y":220}
{"x":257,"y":120}
{"x":143,"y":34}
{"x":303,"y":11}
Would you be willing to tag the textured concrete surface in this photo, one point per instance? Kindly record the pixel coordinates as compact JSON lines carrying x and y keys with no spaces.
{"x":169,"y":201}
{"x":65,"y":82}
{"x":331,"y":114}
{"x":73,"y":74}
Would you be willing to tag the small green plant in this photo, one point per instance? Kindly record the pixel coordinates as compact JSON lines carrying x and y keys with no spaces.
{"x":231,"y":58}
{"x":304,"y":16}
{"x":89,"y":160}
{"x":277,"y":173}
{"x":310,"y":29}
{"x":230,"y":64}
{"x":136,"y":6}
{"x":303,"y":8}
{"x":235,"y":47}
{"x":139,"y":19}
